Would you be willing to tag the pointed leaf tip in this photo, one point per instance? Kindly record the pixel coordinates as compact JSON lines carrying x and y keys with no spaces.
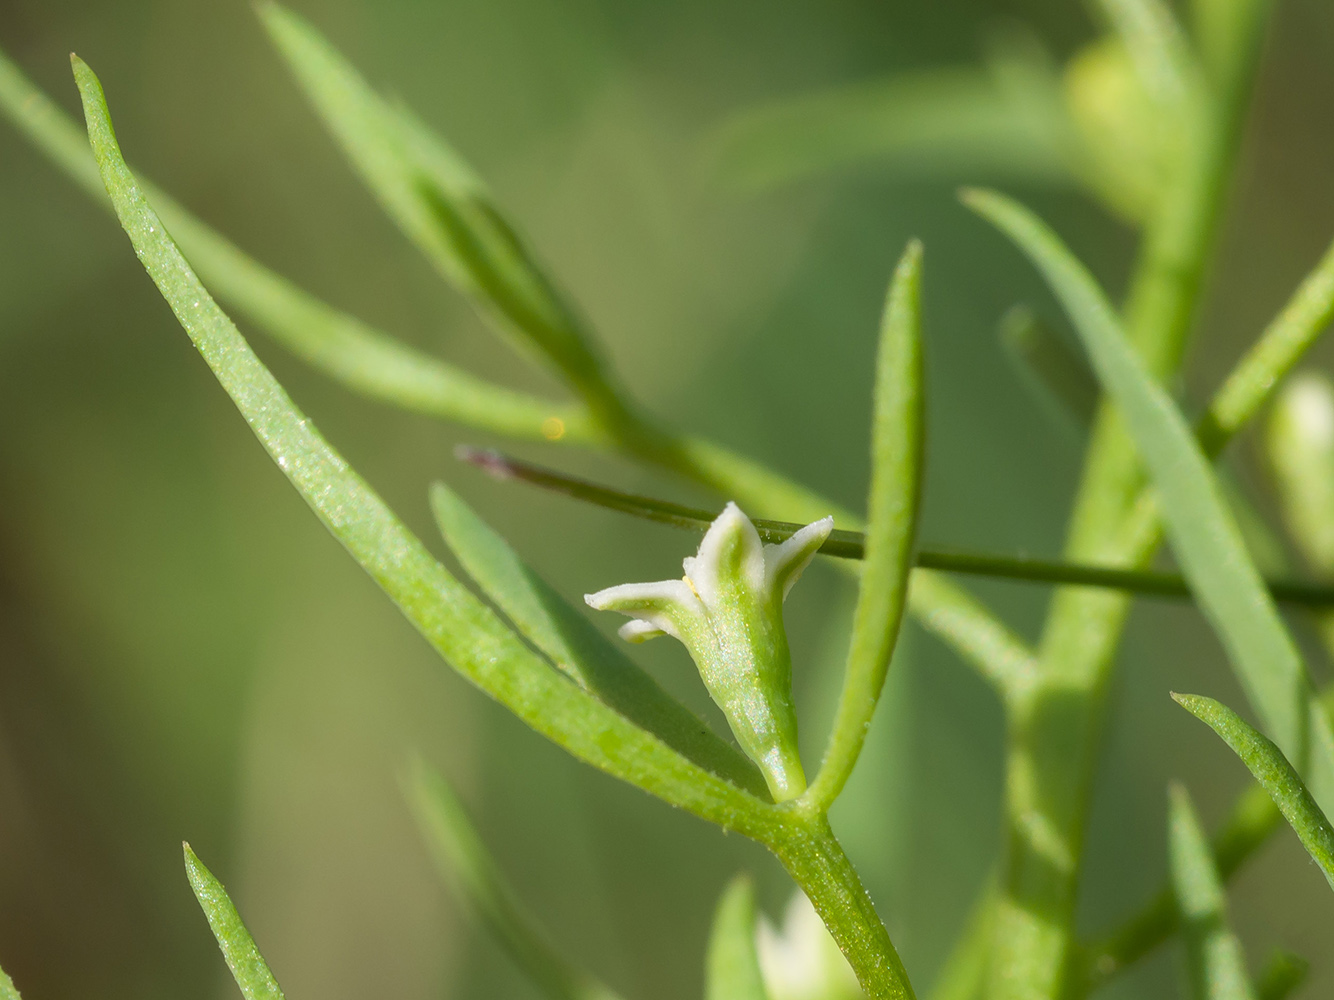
{"x":248,"y":967}
{"x":1274,"y":773}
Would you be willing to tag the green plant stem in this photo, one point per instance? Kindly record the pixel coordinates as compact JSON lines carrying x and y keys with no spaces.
{"x":1056,"y":731}
{"x":847,"y":544}
{"x":814,"y":858}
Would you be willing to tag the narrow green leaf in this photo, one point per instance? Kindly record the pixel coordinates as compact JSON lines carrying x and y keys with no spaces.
{"x":1282,"y":975}
{"x":478,"y":883}
{"x":467,"y":634}
{"x":438,"y":203}
{"x":896,"y":467}
{"x":733,"y":967}
{"x":577,"y":648}
{"x":7,"y":989}
{"x":1275,"y":773}
{"x":1284,"y":342}
{"x":1217,"y":965}
{"x":362,"y":358}
{"x":1203,"y":532}
{"x":1250,"y":823}
{"x":238,"y":947}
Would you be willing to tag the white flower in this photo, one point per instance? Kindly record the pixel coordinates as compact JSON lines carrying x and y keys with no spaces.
{"x":801,"y":961}
{"x":728,"y":612}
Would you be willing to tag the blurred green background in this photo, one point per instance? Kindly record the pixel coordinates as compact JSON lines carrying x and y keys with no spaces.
{"x":185,"y":653}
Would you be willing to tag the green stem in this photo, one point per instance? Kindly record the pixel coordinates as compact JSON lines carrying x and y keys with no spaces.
{"x":1055,"y":733}
{"x":815,"y":859}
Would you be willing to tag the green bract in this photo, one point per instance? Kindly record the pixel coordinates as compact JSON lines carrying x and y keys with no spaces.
{"x":728,"y":612}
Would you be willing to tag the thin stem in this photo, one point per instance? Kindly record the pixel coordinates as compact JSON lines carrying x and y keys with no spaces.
{"x":847,"y":544}
{"x":815,"y":859}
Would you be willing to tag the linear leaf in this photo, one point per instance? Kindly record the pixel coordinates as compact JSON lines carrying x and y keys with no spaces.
{"x":439,"y":204}
{"x":478,"y":883}
{"x":1217,"y":965}
{"x":1250,"y":823}
{"x":733,"y":968}
{"x":467,"y":634}
{"x":577,"y":648}
{"x":1204,"y":535}
{"x":362,"y":358}
{"x":248,"y":966}
{"x":896,"y":467}
{"x":7,"y":989}
{"x":1284,"y":342}
{"x":1275,"y":773}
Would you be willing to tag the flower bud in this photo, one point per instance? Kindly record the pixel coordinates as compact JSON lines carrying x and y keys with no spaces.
{"x":728,"y":612}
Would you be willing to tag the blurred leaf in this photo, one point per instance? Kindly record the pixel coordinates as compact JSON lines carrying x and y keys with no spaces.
{"x":1055,"y":375}
{"x":1283,"y":974}
{"x":892,"y":506}
{"x":238,"y":947}
{"x":1217,"y":965}
{"x":1006,"y":118}
{"x":575,"y":645}
{"x":362,"y":358}
{"x":467,"y":634}
{"x":7,"y":990}
{"x":1204,"y":534}
{"x":733,"y":968}
{"x":1250,"y":823}
{"x":1275,"y":773}
{"x":481,"y":887}
{"x":438,"y":203}
{"x":1284,"y":342}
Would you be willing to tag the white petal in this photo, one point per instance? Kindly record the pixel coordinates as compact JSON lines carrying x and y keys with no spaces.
{"x":784,"y":563}
{"x":731,"y":526}
{"x":656,"y":604}
{"x":637,"y":630}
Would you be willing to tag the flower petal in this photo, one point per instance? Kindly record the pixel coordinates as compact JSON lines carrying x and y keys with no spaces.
{"x":637,"y":630}
{"x":731,"y":548}
{"x":784,"y":563}
{"x":661,"y":605}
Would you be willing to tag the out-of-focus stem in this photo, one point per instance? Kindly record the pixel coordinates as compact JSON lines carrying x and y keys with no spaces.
{"x":1055,"y":734}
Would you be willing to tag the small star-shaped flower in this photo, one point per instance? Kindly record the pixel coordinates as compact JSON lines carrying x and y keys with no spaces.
{"x":728,"y":612}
